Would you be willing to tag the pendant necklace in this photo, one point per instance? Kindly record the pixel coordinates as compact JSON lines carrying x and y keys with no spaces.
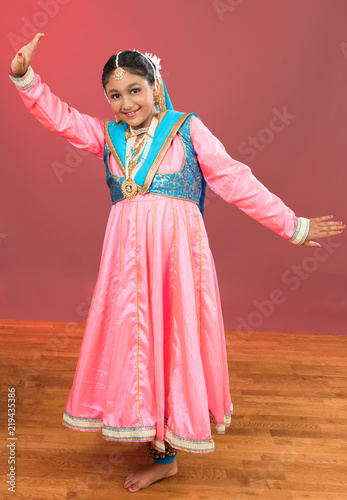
{"x":129,"y":186}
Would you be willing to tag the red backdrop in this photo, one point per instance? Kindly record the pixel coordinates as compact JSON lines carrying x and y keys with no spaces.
{"x":269,"y":58}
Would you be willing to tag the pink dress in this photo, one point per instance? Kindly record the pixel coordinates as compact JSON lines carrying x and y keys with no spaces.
{"x":152,"y":364}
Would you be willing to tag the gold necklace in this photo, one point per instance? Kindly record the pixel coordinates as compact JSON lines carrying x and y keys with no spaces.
{"x":129,"y":186}
{"x":138,"y":131}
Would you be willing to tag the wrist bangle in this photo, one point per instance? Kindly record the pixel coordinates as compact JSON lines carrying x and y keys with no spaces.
{"x":301,"y":231}
{"x":25,"y":81}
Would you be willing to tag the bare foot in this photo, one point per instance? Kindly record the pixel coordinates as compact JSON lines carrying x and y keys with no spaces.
{"x":148,"y":475}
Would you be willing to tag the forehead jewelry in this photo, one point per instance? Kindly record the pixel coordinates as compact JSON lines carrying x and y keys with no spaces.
{"x":119,"y":72}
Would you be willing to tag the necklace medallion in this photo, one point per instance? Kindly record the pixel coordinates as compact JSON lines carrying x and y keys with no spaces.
{"x":129,"y":188}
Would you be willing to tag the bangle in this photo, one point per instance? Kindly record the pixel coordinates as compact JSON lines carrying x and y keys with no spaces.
{"x":301,"y":231}
{"x":25,"y":81}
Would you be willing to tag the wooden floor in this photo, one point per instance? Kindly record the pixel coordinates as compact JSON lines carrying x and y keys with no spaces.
{"x":287,"y":439}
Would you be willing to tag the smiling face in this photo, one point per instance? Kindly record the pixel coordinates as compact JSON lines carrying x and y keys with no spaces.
{"x":132,"y":99}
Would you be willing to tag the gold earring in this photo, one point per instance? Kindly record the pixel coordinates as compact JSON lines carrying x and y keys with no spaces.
{"x":157,"y":102}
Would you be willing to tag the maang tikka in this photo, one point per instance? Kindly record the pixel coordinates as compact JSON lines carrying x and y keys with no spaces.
{"x":119,"y":72}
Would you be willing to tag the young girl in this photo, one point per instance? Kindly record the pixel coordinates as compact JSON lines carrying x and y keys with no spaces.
{"x":152,"y":365}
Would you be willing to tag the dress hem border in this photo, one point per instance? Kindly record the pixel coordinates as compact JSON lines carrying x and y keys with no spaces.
{"x":147,"y":433}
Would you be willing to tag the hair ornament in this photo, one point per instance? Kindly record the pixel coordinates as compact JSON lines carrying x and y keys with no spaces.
{"x":153,"y":60}
{"x":107,"y":96}
{"x":156,"y":62}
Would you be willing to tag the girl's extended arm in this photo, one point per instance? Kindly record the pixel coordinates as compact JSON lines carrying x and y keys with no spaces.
{"x":82,"y":131}
{"x":235,"y":183}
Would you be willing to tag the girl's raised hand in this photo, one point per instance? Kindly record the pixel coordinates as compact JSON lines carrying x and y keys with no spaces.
{"x":20,"y":64}
{"x":322,"y":227}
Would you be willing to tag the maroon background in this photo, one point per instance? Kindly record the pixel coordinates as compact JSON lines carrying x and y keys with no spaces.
{"x":232,"y":63}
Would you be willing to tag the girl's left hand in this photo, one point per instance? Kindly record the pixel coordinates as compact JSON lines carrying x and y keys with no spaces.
{"x":322,"y":227}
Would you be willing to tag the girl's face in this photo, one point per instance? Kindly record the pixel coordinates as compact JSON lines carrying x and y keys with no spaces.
{"x":132,"y":99}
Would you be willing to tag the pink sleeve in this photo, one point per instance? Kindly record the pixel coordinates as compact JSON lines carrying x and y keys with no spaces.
{"x":82,"y":131}
{"x":234,"y":182}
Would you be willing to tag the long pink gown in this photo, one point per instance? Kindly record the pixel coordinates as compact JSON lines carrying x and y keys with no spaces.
{"x":152,"y":364}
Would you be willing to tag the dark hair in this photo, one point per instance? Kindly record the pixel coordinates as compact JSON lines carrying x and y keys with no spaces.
{"x":135,"y":63}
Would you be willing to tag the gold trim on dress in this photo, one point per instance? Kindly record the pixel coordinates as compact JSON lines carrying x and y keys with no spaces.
{"x":162,"y":97}
{"x":155,"y":165}
{"x":173,"y":267}
{"x":200,"y":300}
{"x":193,"y":272}
{"x":165,"y":195}
{"x":138,"y":324}
{"x":120,"y":239}
{"x":152,"y":248}
{"x":113,"y":151}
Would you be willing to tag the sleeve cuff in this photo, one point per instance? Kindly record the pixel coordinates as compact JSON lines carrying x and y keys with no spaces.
{"x":301,"y":231}
{"x":25,"y":81}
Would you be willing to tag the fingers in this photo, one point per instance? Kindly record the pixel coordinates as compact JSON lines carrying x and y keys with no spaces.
{"x":311,"y":244}
{"x":313,"y":234}
{"x":23,"y":58}
{"x":326,"y":219}
{"x":330,"y":232}
{"x":31,"y":46}
{"x":322,"y":227}
{"x":320,"y":219}
{"x":329,"y":227}
{"x":34,"y":43}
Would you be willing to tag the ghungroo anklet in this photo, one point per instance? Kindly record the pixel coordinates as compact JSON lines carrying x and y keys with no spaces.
{"x":152,"y":452}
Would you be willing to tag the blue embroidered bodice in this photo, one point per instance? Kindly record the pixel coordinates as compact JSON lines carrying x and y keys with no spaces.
{"x":188,"y":183}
